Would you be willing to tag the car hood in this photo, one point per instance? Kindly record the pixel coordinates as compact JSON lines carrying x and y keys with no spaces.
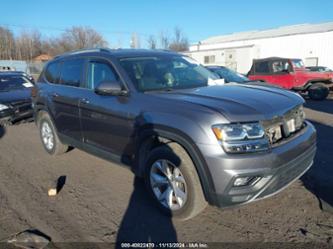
{"x":15,"y":95}
{"x":239,"y":102}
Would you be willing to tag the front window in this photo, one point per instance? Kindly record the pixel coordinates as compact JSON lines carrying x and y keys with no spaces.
{"x":9,"y":83}
{"x":98,"y":72}
{"x":280,"y":67}
{"x":298,"y":64}
{"x":167,"y":72}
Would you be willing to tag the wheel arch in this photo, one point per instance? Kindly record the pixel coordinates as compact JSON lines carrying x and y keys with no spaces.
{"x":314,"y":81}
{"x":40,"y":107}
{"x":152,"y":136}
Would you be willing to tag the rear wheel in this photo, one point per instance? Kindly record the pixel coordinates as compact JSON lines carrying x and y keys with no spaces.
{"x":318,"y":91}
{"x":49,"y":136}
{"x":173,"y":182}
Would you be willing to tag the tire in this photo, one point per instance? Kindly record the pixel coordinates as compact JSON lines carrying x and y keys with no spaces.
{"x":5,"y":123}
{"x":318,"y":91}
{"x":173,"y":155}
{"x":45,"y":125}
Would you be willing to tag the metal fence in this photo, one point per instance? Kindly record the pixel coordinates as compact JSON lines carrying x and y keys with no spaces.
{"x":31,"y":67}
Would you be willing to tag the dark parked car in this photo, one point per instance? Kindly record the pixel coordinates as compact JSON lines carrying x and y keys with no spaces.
{"x":228,"y":75}
{"x":319,"y":69}
{"x":26,"y":75}
{"x":163,"y":115}
{"x":15,"y":97}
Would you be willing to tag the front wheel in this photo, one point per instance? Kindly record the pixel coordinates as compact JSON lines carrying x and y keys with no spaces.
{"x":318,"y":91}
{"x":173,"y":182}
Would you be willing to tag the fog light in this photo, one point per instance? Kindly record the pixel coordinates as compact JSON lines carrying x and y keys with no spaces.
{"x":247,"y":180}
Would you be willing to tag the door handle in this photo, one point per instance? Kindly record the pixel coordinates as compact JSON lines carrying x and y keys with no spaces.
{"x":84,"y":101}
{"x":55,"y":95}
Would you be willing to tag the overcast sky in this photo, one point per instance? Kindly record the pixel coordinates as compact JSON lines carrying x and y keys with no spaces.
{"x":116,"y":20}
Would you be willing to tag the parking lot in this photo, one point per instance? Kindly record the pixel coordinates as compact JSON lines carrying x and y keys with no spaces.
{"x":102,"y":202}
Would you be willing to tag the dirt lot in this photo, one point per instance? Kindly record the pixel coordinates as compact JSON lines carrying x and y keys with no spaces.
{"x":101,"y":202}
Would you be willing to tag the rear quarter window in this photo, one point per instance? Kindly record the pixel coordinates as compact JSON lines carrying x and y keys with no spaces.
{"x":261,"y":67}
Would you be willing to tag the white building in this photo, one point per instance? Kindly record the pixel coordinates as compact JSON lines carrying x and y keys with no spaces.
{"x":311,"y":42}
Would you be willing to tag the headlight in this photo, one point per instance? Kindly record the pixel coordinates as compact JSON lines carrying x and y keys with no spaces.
{"x":241,"y":138}
{"x":3,"y":107}
{"x":300,"y":117}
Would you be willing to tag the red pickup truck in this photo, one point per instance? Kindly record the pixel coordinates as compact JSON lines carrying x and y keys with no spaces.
{"x":292,"y":74}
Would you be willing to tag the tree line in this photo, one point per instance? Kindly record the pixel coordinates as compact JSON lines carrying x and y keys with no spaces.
{"x":29,"y":44}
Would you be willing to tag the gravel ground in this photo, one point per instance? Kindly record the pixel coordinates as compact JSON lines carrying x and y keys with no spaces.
{"x":102,"y":202}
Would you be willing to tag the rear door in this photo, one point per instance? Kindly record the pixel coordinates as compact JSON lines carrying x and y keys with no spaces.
{"x":65,"y":98}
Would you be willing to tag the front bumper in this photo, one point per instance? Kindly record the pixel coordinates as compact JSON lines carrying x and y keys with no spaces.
{"x":13,"y":115}
{"x":276,"y":169}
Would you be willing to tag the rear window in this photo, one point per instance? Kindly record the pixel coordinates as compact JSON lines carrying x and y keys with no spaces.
{"x":71,"y":72}
{"x":261,"y":67}
{"x":52,"y":72}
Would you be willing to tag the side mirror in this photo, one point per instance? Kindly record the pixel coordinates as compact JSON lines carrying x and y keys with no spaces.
{"x":110,"y":88}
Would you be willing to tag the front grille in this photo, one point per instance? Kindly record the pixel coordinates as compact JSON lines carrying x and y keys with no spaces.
{"x":21,"y":106}
{"x":20,"y":103}
{"x":286,"y":126}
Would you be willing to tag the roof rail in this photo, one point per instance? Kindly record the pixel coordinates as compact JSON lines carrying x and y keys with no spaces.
{"x":85,"y":50}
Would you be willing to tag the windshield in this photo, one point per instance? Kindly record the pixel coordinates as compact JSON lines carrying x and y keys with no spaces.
{"x":8,"y":83}
{"x":167,"y":73}
{"x":298,"y":64}
{"x":230,"y":76}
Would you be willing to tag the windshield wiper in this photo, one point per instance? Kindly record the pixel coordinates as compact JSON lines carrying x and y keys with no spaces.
{"x":167,"y":89}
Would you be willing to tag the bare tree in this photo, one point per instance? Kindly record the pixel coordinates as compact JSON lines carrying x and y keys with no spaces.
{"x":152,"y":43}
{"x":28,"y":45}
{"x":164,"y":40}
{"x":76,"y":38}
{"x":84,"y":37}
{"x":180,"y":41}
{"x":7,"y":44}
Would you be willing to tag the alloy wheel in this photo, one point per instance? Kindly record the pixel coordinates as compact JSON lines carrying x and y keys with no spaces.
{"x":47,"y":136}
{"x":168,"y":184}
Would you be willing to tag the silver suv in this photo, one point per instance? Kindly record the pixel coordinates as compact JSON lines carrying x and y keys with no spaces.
{"x":194,"y":140}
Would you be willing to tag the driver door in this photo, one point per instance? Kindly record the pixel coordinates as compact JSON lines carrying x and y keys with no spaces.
{"x":282,"y":74}
{"x":104,"y":118}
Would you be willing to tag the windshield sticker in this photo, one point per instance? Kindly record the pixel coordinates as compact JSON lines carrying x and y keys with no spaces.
{"x":28,"y":84}
{"x":214,"y":82}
